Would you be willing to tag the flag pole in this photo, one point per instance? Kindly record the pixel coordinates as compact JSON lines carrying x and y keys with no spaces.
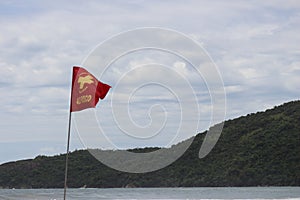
{"x":67,"y":156}
{"x":68,"y":142}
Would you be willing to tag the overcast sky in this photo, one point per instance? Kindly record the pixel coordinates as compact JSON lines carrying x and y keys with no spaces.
{"x":255,"y":45}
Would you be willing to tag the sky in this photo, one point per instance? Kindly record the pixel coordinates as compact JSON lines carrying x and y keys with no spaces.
{"x":254,"y":44}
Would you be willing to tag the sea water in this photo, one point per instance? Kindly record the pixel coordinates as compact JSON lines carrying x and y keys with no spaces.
{"x":220,"y":193}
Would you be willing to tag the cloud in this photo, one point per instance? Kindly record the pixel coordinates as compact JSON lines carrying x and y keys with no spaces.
{"x":254,"y":44}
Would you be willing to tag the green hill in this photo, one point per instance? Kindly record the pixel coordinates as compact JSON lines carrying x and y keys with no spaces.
{"x":261,"y":149}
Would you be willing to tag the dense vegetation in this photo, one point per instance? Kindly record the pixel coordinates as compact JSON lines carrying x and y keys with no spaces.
{"x":257,"y":149}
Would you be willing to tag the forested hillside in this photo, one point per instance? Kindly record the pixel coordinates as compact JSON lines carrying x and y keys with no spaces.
{"x":261,"y":149}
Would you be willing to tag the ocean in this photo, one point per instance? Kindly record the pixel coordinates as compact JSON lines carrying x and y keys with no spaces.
{"x":220,"y":193}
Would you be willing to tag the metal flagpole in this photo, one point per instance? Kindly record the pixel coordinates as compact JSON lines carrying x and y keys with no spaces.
{"x":68,"y":142}
{"x":67,"y":156}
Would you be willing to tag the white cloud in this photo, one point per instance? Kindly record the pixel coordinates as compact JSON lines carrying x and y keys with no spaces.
{"x":254,"y":43}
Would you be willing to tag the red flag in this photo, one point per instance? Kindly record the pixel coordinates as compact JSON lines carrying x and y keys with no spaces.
{"x":86,"y":90}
